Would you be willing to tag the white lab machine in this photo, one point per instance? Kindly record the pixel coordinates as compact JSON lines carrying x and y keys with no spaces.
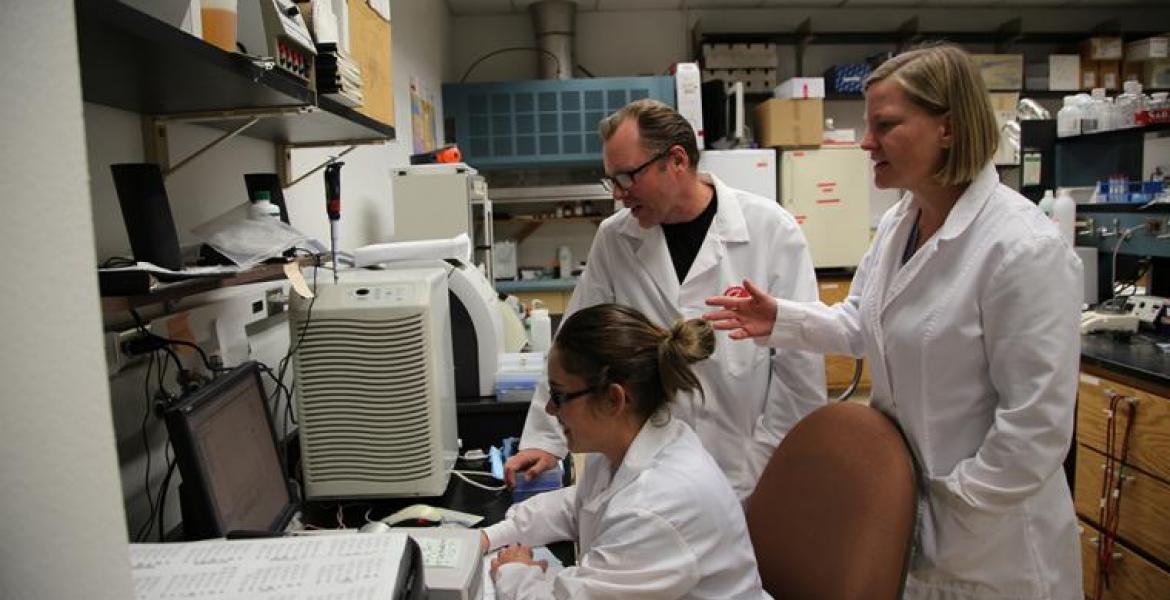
{"x":452,"y":564}
{"x":827,"y":191}
{"x":375,"y":394}
{"x":752,"y":170}
{"x":440,"y":201}
{"x":477,"y":331}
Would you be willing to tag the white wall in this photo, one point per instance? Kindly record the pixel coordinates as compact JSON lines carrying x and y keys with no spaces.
{"x":61,"y":519}
{"x":213,"y":183}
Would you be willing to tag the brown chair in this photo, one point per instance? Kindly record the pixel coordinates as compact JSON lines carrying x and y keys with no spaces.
{"x":833,"y":515}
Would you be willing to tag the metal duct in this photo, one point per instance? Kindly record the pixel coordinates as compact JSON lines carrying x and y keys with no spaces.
{"x":552,"y":21}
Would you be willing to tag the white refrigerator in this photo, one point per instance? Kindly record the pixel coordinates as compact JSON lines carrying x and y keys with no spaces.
{"x":752,"y":170}
{"x":828,"y":191}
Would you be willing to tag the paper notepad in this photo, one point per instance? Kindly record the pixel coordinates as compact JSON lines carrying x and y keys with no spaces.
{"x":349,"y":566}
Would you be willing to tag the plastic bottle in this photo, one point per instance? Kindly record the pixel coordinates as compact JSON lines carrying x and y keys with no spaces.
{"x":1064,"y":213}
{"x":262,"y":207}
{"x":539,"y":328}
{"x":1045,"y":203}
{"x":1129,"y":104}
{"x":1068,"y":119}
{"x":1090,"y":113}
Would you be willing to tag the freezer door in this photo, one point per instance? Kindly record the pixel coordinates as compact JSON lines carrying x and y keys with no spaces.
{"x":827,"y":190}
{"x":752,"y":170}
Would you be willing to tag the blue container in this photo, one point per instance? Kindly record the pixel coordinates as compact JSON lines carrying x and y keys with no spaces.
{"x":846,"y":79}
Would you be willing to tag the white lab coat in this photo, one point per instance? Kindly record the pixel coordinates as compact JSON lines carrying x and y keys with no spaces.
{"x":973,"y":347}
{"x":752,"y":398}
{"x":667,"y":525}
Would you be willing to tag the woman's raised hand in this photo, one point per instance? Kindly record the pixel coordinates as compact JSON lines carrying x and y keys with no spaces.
{"x":747,"y":314}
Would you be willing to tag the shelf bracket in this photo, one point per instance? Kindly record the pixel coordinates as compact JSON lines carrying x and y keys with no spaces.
{"x":804,"y":37}
{"x":154,"y":132}
{"x":1008,"y":34}
{"x":284,"y":163}
{"x":908,"y":34}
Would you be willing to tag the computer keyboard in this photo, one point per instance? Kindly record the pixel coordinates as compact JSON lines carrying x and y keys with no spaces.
{"x":439,"y":552}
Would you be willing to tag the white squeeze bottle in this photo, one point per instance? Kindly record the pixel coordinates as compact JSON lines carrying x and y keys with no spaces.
{"x":1064,"y":212}
{"x":1045,"y":203}
{"x":539,"y":328}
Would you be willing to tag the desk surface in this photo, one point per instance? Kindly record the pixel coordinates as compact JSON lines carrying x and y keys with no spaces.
{"x":459,"y":496}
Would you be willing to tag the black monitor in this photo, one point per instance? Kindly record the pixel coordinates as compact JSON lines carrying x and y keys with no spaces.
{"x":226,"y":451}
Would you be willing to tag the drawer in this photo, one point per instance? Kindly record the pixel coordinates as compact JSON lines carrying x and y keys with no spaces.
{"x":1145,"y":504}
{"x":1150,"y":445}
{"x":1133,"y":577}
{"x":839,"y":368}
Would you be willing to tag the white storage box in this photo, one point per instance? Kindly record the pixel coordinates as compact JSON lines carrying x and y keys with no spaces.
{"x":1064,"y":72}
{"x":801,"y":87}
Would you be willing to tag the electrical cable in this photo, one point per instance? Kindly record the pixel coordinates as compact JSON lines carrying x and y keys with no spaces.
{"x":162,"y":497}
{"x":145,"y":527}
{"x":476,"y":62}
{"x":114,"y":262}
{"x":464,"y":476}
{"x":1121,"y":240}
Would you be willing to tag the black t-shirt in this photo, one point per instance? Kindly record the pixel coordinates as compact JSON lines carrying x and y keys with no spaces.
{"x":685,"y":239}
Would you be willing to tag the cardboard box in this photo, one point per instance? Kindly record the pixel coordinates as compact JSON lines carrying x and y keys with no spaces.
{"x":1148,"y":49}
{"x":1088,"y":74}
{"x":1064,"y":72}
{"x":1102,"y":48}
{"x":1156,"y":73}
{"x":754,"y":80}
{"x":1004,"y":104}
{"x":1109,"y":74}
{"x":801,"y":87}
{"x":740,"y":56}
{"x":790,"y":122}
{"x":1001,"y":71}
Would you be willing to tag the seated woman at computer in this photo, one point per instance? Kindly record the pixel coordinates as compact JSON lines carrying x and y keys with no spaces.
{"x":652,"y":513}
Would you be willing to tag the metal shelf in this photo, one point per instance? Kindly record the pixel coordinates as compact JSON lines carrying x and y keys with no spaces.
{"x":134,"y":62}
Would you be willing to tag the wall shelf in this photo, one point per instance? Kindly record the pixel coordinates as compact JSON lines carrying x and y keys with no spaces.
{"x":134,"y":62}
{"x":177,"y":290}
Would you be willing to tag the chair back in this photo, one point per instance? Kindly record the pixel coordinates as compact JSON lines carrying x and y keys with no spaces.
{"x":833,"y":514}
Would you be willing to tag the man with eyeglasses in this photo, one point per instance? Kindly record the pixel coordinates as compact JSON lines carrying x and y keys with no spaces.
{"x":684,"y":236}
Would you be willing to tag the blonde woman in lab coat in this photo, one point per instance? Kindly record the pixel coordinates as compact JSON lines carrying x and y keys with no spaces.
{"x":653,"y":515}
{"x":967,"y":307}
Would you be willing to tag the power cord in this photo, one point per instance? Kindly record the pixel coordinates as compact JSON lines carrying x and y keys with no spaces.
{"x":464,"y":476}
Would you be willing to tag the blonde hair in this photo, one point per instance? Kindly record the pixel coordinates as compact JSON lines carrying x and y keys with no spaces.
{"x":659,"y":127}
{"x":942,"y":79}
{"x":611,"y":343}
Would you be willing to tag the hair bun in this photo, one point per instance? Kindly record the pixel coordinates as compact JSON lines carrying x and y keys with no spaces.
{"x":692,"y":340}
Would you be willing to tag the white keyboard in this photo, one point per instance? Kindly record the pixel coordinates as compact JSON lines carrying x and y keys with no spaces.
{"x":438,"y":552}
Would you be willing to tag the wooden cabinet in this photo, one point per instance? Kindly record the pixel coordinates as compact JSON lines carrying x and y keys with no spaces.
{"x":1110,"y":412}
{"x":839,"y":368}
{"x":554,"y":301}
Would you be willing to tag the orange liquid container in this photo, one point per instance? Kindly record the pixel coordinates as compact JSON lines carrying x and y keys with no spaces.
{"x":219,"y":24}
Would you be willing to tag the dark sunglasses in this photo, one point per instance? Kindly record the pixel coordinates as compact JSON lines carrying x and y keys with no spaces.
{"x":625,"y":180}
{"x":560,"y":398}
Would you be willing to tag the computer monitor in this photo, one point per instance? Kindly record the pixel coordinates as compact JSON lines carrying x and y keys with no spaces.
{"x":227,"y":455}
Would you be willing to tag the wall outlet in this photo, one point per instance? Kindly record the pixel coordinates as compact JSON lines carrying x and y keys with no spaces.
{"x":116,"y":357}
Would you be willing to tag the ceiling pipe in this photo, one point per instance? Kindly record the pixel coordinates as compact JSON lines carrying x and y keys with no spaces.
{"x":553,"y":23}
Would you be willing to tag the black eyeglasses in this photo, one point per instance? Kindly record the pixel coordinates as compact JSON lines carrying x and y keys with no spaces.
{"x":625,"y":179}
{"x":560,"y":398}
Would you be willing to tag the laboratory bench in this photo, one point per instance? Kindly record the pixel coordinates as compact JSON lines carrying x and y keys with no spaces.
{"x":554,"y":293}
{"x":1121,"y":486}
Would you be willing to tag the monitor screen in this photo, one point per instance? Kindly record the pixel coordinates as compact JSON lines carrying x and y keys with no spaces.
{"x":227,"y":456}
